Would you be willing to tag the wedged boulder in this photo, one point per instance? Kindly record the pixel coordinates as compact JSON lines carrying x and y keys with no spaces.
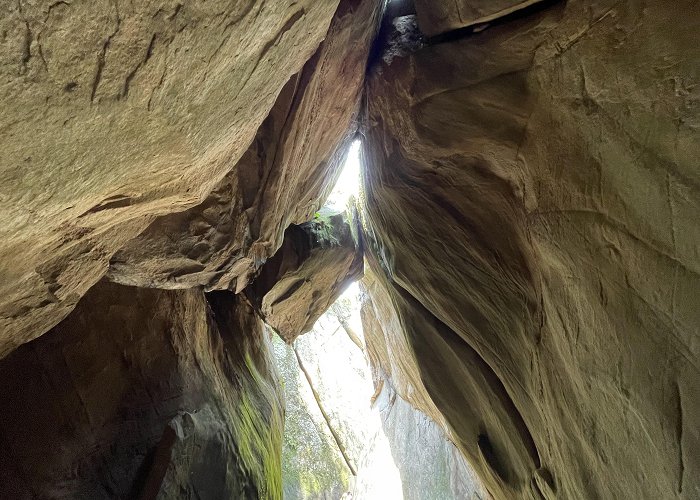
{"x":282,"y":179}
{"x":143,"y":393}
{"x":317,"y":260}
{"x":437,"y":17}
{"x":115,"y":113}
{"x":532,"y":194}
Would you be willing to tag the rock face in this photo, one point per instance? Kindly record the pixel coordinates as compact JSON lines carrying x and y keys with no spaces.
{"x":441,"y":16}
{"x":531,"y":204}
{"x":288,"y":170}
{"x":431,"y":466}
{"x":390,"y":353}
{"x":317,"y":260}
{"x":115,"y":114}
{"x":167,"y":146}
{"x":530,"y":217}
{"x":143,"y":394}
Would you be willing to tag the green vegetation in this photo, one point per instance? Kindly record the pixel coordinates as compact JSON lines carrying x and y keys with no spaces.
{"x":258,"y":430}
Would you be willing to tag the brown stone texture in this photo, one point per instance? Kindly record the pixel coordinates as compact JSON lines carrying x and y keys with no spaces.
{"x":315,"y":263}
{"x":284,"y":176}
{"x":440,"y":16}
{"x":530,"y":217}
{"x":115,"y":113}
{"x":531,"y":209}
{"x":143,"y":393}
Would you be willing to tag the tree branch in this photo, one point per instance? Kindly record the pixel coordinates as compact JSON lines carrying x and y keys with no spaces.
{"x":346,"y":326}
{"x":335,"y":435}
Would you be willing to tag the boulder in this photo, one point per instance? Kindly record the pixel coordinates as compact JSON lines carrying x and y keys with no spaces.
{"x":283,"y":178}
{"x":116,"y":113}
{"x":317,"y":260}
{"x":439,"y":17}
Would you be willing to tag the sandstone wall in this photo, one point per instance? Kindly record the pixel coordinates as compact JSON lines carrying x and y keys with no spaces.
{"x":532,"y":206}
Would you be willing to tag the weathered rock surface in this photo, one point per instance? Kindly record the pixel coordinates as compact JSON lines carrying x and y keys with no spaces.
{"x":531,"y":207}
{"x":439,"y":16}
{"x":531,"y":202}
{"x":143,"y":393}
{"x":287,"y":172}
{"x":431,"y":466}
{"x":115,"y":113}
{"x":317,"y":260}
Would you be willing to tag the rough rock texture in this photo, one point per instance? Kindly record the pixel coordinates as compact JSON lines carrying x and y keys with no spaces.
{"x":209,"y":127}
{"x":431,"y":466}
{"x":115,"y":113}
{"x":532,"y":204}
{"x":531,"y":207}
{"x":141,"y":394}
{"x":317,"y":260}
{"x":282,"y":179}
{"x":440,"y":16}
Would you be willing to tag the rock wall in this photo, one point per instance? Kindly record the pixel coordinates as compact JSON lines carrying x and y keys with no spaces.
{"x":531,"y":205}
{"x":530,"y":213}
{"x":143,"y":394}
{"x":166,"y":147}
{"x":421,"y":441}
{"x":390,"y":354}
{"x":118,"y":113}
{"x":442,"y":17}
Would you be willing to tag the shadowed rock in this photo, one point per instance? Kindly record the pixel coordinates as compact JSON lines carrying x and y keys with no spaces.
{"x":436,"y":17}
{"x":141,"y":394}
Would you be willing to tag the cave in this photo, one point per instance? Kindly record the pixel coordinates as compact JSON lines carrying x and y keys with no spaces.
{"x":523,"y":248}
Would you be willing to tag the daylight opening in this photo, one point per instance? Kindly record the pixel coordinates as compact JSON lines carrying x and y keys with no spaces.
{"x":348,"y":434}
{"x":348,"y":184}
{"x":334,"y":446}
